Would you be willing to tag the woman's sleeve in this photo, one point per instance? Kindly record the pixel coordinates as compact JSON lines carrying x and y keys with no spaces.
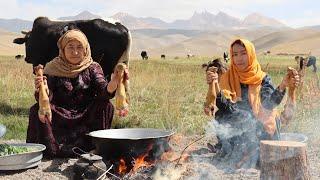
{"x":270,"y":97}
{"x":99,"y":82}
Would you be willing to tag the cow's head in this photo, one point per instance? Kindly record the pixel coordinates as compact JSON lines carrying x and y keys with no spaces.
{"x":24,"y":40}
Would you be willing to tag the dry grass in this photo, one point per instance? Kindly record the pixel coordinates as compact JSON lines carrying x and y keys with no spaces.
{"x":6,"y":45}
{"x":164,"y":94}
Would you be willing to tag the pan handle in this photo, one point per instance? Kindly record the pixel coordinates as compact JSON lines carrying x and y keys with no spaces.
{"x":79,"y":149}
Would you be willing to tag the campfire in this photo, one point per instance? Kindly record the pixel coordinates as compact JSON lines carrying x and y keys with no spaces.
{"x":122,"y":167}
{"x":133,"y":166}
{"x":153,"y":162}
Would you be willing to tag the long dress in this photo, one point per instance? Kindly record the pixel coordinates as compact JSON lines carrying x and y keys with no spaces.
{"x":79,"y":105}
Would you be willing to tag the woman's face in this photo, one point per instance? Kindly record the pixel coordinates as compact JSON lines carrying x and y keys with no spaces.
{"x":240,"y":57}
{"x":74,"y":52}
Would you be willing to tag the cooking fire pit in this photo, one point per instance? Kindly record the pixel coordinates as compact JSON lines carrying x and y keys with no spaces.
{"x":125,"y":145}
{"x":114,"y":143}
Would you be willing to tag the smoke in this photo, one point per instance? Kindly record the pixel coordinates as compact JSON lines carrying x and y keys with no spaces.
{"x":168,"y":172}
{"x":239,"y":136}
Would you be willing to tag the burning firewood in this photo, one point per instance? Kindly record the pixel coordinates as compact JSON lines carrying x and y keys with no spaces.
{"x":44,"y":105}
{"x":122,"y":98}
{"x":218,"y":67}
{"x":290,"y":106}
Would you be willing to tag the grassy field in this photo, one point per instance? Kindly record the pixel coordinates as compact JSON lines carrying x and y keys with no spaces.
{"x":164,"y":94}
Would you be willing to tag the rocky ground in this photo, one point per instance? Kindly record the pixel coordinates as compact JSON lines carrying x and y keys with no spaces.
{"x":199,"y":168}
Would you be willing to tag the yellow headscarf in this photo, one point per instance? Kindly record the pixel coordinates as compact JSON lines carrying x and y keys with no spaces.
{"x":60,"y":66}
{"x":252,"y":76}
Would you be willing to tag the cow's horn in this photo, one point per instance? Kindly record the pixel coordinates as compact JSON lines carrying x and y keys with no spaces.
{"x":25,"y":32}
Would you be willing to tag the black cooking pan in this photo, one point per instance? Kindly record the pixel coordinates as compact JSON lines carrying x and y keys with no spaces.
{"x":117,"y":143}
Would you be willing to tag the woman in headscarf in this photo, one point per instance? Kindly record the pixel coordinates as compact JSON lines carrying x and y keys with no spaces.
{"x":79,"y":98}
{"x":246,"y":104}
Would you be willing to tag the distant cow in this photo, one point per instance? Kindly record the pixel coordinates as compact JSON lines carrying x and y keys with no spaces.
{"x":110,"y":43}
{"x":309,"y":61}
{"x":225,"y":57}
{"x":19,"y":56}
{"x":144,"y":55}
{"x":190,"y":55}
{"x":163,"y":56}
{"x":266,"y":52}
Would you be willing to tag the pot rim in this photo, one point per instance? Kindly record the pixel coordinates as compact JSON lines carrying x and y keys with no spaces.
{"x":110,"y":133}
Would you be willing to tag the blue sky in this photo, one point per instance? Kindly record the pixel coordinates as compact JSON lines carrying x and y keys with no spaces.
{"x":295,"y":13}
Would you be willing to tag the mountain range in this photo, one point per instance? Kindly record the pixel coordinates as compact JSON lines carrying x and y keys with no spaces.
{"x":199,"y":21}
{"x":204,"y":34}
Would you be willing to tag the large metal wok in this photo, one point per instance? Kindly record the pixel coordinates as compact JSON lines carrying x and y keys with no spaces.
{"x":116,"y":143}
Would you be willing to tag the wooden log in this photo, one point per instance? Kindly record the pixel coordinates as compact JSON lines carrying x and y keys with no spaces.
{"x":283,"y":160}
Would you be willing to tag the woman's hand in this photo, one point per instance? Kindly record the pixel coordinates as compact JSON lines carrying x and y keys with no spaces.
{"x":38,"y":80}
{"x":116,"y":79}
{"x":212,"y":77}
{"x":289,"y":81}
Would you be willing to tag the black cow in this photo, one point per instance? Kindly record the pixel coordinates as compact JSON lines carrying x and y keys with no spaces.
{"x":226,"y":57}
{"x":19,"y":56}
{"x":163,"y":56}
{"x":144,"y":55}
{"x":309,"y":61}
{"x":110,"y":43}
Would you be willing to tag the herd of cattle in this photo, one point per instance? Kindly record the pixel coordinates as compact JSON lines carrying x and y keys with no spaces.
{"x":110,"y":43}
{"x":144,"y":55}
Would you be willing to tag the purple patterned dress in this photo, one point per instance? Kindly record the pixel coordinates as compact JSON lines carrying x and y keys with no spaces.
{"x":79,"y":105}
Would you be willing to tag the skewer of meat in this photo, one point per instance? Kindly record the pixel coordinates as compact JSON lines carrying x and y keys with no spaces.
{"x":44,"y":104}
{"x":290,"y":106}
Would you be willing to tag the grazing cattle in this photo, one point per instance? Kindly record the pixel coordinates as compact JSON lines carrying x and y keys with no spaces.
{"x":110,"y":43}
{"x":190,"y":55}
{"x":225,"y":57}
{"x":266,"y":52}
{"x":163,"y":56}
{"x":19,"y":56}
{"x":309,"y":61}
{"x":144,"y":55}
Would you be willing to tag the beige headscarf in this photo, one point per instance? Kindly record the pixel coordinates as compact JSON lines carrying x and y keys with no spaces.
{"x":60,"y":66}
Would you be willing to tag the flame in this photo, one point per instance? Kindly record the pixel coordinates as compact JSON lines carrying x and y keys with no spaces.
{"x":140,"y":162}
{"x":122,"y":167}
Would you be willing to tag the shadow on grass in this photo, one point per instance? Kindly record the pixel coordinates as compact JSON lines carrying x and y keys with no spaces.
{"x":7,"y":109}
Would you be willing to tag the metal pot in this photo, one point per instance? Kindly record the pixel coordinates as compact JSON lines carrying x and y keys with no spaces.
{"x":293,"y":137}
{"x":116,"y":143}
